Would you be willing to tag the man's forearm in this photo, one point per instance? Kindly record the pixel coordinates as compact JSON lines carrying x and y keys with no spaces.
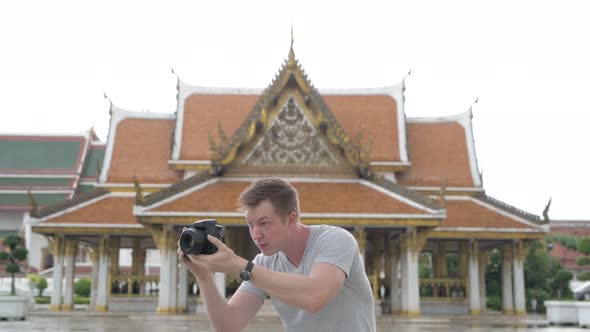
{"x":296,"y":290}
{"x":217,"y":307}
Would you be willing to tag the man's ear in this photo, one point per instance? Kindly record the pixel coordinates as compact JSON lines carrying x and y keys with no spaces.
{"x":293,"y":217}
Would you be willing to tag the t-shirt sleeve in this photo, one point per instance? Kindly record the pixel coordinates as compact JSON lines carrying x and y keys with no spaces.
{"x":337,"y":247}
{"x":248,"y":286}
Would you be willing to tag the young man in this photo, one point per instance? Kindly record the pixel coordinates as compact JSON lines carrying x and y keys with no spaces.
{"x":314,"y":275}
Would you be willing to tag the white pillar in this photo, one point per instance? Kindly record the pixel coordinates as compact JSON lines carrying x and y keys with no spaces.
{"x":474,"y":305}
{"x":70,"y":262}
{"x":404,"y":281}
{"x":57,"y":249}
{"x":413,"y":283}
{"x":220,"y":282}
{"x":94,"y":277}
{"x":394,"y":288}
{"x":182,"y":288}
{"x":519,"y":294}
{"x":103,"y":288}
{"x":167,"y":296}
{"x":483,"y":264}
{"x":507,"y":297}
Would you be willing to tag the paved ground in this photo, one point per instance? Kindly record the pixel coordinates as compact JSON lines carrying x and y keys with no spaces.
{"x":80,"y":321}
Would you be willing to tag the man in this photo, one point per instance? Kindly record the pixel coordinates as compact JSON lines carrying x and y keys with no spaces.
{"x":314,"y":275}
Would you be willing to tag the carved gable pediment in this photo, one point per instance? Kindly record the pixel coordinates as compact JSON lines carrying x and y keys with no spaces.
{"x":291,"y":140}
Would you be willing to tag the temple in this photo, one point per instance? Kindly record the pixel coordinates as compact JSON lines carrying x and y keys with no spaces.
{"x":409,"y":189}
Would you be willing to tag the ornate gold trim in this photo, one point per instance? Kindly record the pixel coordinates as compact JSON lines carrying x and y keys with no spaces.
{"x":90,"y":230}
{"x":484,"y":235}
{"x":101,"y":308}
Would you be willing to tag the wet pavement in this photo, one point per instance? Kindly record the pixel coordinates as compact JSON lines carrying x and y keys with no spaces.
{"x":85,"y":322}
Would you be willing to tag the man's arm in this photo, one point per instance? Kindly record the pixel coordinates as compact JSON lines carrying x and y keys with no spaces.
{"x":224,"y":316}
{"x":311,"y":292}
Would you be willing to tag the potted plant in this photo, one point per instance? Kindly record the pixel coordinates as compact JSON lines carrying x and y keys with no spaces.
{"x":15,"y":252}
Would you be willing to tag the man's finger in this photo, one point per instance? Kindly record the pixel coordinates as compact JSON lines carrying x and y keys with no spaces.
{"x":215,"y":241}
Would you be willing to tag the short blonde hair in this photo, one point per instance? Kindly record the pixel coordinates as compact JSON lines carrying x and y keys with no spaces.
{"x":282,"y":195}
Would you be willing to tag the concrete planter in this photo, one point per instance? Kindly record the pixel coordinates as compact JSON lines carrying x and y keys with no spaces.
{"x":562,"y":312}
{"x":583,"y":314}
{"x":14,"y":307}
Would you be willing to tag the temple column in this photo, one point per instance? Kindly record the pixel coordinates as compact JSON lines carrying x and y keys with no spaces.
{"x":94,"y":277}
{"x":463,"y":259}
{"x":411,"y":244}
{"x":103,"y":288}
{"x":520,"y":251}
{"x":507,"y":297}
{"x":137,"y":258}
{"x":115,"y":246}
{"x":70,"y":262}
{"x":442,"y":260}
{"x":166,"y":239}
{"x":220,"y":282}
{"x":394,"y":288}
{"x":361,"y":239}
{"x":474,"y":297}
{"x":182,"y":305}
{"x":483,"y":264}
{"x":57,"y":248}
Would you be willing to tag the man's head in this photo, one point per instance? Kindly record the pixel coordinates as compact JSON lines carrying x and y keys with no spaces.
{"x":271,"y":209}
{"x":280,"y":193}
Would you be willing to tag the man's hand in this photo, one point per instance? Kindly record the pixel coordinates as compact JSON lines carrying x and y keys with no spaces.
{"x":224,"y":260}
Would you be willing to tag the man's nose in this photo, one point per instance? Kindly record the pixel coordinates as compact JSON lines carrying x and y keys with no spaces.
{"x":256,"y":233}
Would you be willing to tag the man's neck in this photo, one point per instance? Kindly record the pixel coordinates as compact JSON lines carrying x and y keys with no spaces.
{"x":298,"y":244}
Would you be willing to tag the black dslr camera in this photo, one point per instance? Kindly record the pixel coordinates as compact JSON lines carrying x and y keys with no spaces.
{"x":193,"y":240}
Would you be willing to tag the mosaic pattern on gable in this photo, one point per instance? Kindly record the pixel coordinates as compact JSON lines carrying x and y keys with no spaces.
{"x":291,"y":140}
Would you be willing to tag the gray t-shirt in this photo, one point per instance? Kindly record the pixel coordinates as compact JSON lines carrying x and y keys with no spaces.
{"x":351,"y":310}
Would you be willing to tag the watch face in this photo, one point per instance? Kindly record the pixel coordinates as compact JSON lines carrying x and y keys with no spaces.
{"x":245,"y":275}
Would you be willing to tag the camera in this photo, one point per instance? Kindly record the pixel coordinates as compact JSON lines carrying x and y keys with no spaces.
{"x":193,"y":239}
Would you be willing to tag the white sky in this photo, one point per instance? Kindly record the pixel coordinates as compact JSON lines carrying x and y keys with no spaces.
{"x":527,"y":61}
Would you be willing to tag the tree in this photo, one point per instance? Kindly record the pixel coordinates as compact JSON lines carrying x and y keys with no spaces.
{"x":39,"y":282}
{"x":583,"y":246}
{"x":11,"y":259}
{"x":544,"y":277}
{"x":82,"y":287}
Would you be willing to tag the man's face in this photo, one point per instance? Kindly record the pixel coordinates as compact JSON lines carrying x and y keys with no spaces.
{"x":268,"y":230}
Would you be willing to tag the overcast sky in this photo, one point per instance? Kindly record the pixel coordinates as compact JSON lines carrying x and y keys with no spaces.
{"x":528,"y":62}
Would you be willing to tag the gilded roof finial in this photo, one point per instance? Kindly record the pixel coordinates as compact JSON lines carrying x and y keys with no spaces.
{"x":291,"y":62}
{"x":546,"y":212}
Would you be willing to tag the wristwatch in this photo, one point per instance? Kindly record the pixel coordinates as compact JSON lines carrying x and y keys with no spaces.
{"x":246,"y":273}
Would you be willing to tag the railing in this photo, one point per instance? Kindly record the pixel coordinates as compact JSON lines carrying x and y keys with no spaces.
{"x":443,"y":289}
{"x":134,"y":286}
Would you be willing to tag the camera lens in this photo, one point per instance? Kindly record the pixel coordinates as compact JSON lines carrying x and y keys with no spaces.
{"x":192,"y":241}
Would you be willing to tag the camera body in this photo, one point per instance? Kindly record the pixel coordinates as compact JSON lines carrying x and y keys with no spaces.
{"x":193,"y":239}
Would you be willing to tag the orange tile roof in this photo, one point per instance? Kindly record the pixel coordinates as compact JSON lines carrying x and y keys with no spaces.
{"x":202,"y":113}
{"x":142,"y":147}
{"x":110,"y":210}
{"x":471,"y":214}
{"x":315,"y":197}
{"x":375,"y":115}
{"x":437,"y":151}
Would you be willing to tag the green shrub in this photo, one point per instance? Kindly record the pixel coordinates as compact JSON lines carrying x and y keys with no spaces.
{"x":82,"y":287}
{"x":494,"y":302}
{"x":81,"y":300}
{"x":581,"y":261}
{"x":583,"y":276}
{"x":584,"y":245}
{"x":42,"y":299}
{"x":13,"y":257}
